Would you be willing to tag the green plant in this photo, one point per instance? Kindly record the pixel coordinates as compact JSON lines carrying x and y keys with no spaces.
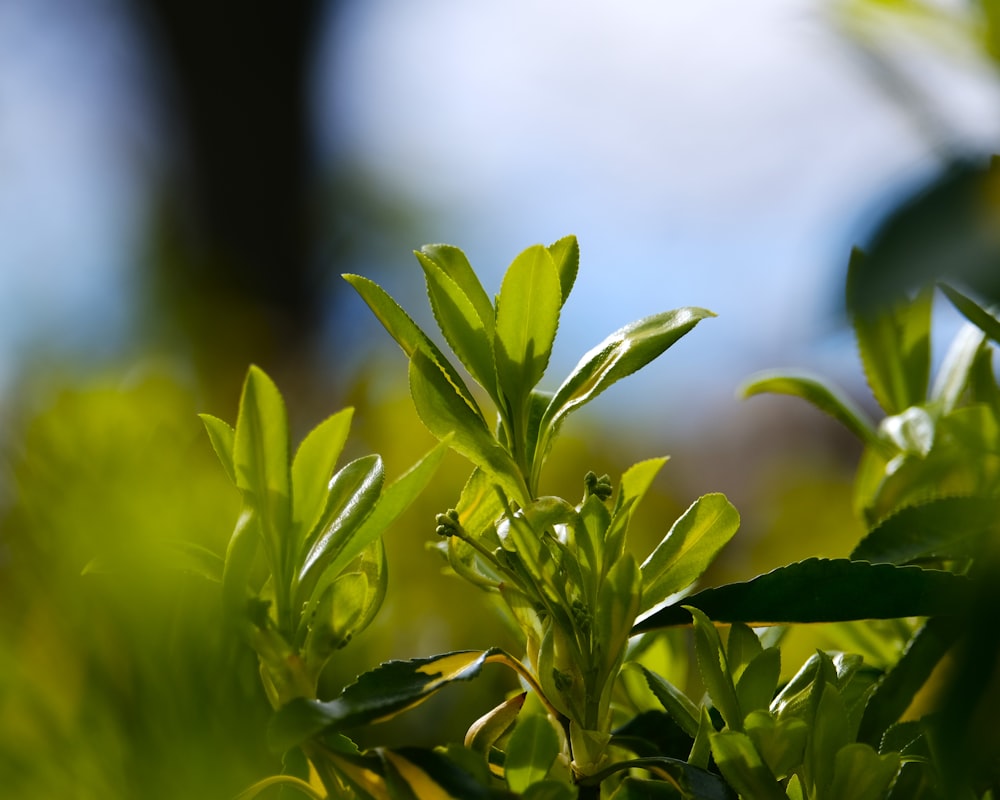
{"x":591,"y":617}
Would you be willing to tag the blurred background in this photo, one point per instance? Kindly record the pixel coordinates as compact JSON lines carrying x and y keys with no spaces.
{"x":182,"y":184}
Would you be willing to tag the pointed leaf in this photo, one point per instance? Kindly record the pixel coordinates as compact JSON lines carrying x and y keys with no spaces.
{"x":975,"y":313}
{"x":742,"y":647}
{"x":533,"y":748}
{"x":527,"y":318}
{"x":623,"y":352}
{"x":566,"y":256}
{"x":741,"y":765}
{"x":489,"y":728}
{"x":955,"y":371}
{"x":457,"y":267}
{"x":715,"y":670}
{"x":944,"y":528}
{"x":824,"y":590}
{"x":635,"y":482}
{"x":862,"y":774}
{"x":376,"y":695}
{"x":757,"y":684}
{"x":689,"y":548}
{"x":408,"y":334}
{"x":391,"y":504}
{"x":446,"y":414}
{"x":354,"y":491}
{"x":240,"y":554}
{"x":313,"y":468}
{"x":675,"y":702}
{"x":465,"y":331}
{"x":223,"y":437}
{"x":813,"y":390}
{"x":894,"y":342}
{"x":429,"y":775}
{"x":781,"y":743}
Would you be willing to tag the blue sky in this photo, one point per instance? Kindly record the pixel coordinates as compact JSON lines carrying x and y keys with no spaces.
{"x":721,"y":154}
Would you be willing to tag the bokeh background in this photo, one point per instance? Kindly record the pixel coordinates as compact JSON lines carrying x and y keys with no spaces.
{"x":181,"y":185}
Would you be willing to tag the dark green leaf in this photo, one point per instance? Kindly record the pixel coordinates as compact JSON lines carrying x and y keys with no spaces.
{"x":813,"y":390}
{"x":824,"y":590}
{"x":447,"y":415}
{"x":431,"y":775}
{"x":694,"y":782}
{"x":378,"y":694}
{"x":974,"y":312}
{"x":689,"y":548}
{"x":894,"y":342}
{"x":643,"y":789}
{"x":862,"y":774}
{"x":944,"y":528}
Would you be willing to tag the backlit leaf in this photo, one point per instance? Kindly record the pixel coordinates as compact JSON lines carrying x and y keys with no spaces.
{"x":714,"y":670}
{"x":313,"y":468}
{"x":456,"y":266}
{"x":566,"y":256}
{"x":223,"y":437}
{"x":689,"y":548}
{"x":532,"y":750}
{"x":675,"y":702}
{"x":741,"y":765}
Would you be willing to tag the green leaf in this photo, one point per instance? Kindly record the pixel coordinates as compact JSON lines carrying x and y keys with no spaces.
{"x":239,"y":560}
{"x":691,"y":781}
{"x":379,"y":694}
{"x":455,"y":265}
{"x":862,"y":774}
{"x":354,"y":491}
{"x":943,"y":528}
{"x":446,"y":414}
{"x":393,"y":501}
{"x":894,"y":693}
{"x":527,"y":318}
{"x":830,"y":732}
{"x":757,"y":684}
{"x":894,"y":342}
{"x":824,"y":590}
{"x":468,"y":335}
{"x":689,"y":548}
{"x":550,"y":790}
{"x":973,"y":312}
{"x":623,"y":352}
{"x":408,"y":334}
{"x":742,"y":647}
{"x":425,"y":774}
{"x":313,"y":467}
{"x":675,"y":702}
{"x":644,"y":789}
{"x":824,"y":397}
{"x":715,"y":670}
{"x":741,"y":765}
{"x":222,"y":436}
{"x":780,"y":743}
{"x":635,"y":482}
{"x":261,"y":464}
{"x":533,"y":748}
{"x":566,"y":256}
{"x":494,"y":724}
{"x":280,"y":780}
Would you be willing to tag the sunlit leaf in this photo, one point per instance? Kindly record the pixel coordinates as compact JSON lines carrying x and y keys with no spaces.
{"x":714,"y":670}
{"x":468,"y":335}
{"x":566,"y":256}
{"x":820,"y":394}
{"x":635,"y":482}
{"x":780,"y":743}
{"x":824,"y":590}
{"x":455,"y":265}
{"x":223,"y":438}
{"x":354,"y":491}
{"x":757,"y":684}
{"x":675,"y":702}
{"x":447,"y":415}
{"x":742,"y":647}
{"x":954,"y":374}
{"x":527,"y":318}
{"x":623,"y":352}
{"x":495,"y":723}
{"x":689,"y":548}
{"x":313,"y":467}
{"x":408,"y":334}
{"x":393,"y":501}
